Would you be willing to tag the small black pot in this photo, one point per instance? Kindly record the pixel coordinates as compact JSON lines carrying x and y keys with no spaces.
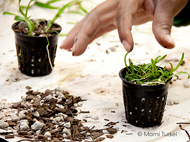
{"x":32,"y":53}
{"x":144,"y":105}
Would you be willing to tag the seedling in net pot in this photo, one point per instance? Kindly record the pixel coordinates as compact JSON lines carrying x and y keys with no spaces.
{"x":145,"y":90}
{"x":33,"y":25}
{"x":36,"y":40}
{"x":151,"y":73}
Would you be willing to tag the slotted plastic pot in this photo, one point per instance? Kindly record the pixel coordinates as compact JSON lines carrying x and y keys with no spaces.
{"x":144,"y":105}
{"x":33,"y":58}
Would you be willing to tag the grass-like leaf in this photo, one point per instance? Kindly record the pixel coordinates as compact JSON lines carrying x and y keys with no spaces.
{"x":31,"y":24}
{"x":50,"y":22}
{"x":20,"y":9}
{"x":82,"y":8}
{"x":18,"y":18}
{"x":53,"y":1}
{"x":73,"y":23}
{"x":77,"y":12}
{"x":151,"y":73}
{"x":181,"y":73}
{"x":62,"y":34}
{"x":24,"y":17}
{"x":9,"y":13}
{"x":45,"y":5}
{"x":181,"y":60}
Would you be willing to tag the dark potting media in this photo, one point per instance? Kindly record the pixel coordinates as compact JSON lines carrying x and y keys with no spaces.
{"x":51,"y":116}
{"x":40,"y":26}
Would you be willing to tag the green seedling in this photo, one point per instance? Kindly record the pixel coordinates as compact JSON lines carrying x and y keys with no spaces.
{"x":48,"y":5}
{"x":61,"y":10}
{"x":151,"y":73}
{"x":24,"y":17}
{"x":31,"y":24}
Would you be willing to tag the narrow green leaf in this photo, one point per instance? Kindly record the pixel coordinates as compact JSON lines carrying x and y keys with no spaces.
{"x":19,"y":18}
{"x":76,"y":12}
{"x":45,"y":5}
{"x":179,"y":62}
{"x":156,"y":60}
{"x":171,"y":66}
{"x":30,"y":27}
{"x":73,"y":23}
{"x":82,"y":8}
{"x":23,"y":7}
{"x":138,"y":70}
{"x":53,"y":1}
{"x":162,"y":58}
{"x":59,"y":13}
{"x":125,"y":61}
{"x":9,"y":13}
{"x":132,"y":67}
{"x":62,"y":34}
{"x":154,"y":71}
{"x":151,"y":74}
{"x":28,"y":6}
{"x":181,"y":73}
{"x":20,"y":9}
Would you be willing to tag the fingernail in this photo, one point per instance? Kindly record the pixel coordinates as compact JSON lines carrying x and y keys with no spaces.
{"x":126,"y":46}
{"x":75,"y":39}
{"x":73,"y":50}
{"x":62,"y":44}
{"x":170,"y":39}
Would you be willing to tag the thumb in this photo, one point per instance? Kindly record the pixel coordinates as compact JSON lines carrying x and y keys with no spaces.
{"x":162,"y":24}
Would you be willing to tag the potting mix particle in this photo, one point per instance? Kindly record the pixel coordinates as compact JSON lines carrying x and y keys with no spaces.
{"x":49,"y":116}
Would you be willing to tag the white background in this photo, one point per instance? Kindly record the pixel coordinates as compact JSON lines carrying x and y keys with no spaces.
{"x":94,"y":75}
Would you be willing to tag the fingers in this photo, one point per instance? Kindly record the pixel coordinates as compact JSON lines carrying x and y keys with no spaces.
{"x":94,"y":24}
{"x":163,"y":21}
{"x":69,"y":41}
{"x":87,"y":31}
{"x":124,"y":17}
{"x":102,"y":31}
{"x":122,"y":14}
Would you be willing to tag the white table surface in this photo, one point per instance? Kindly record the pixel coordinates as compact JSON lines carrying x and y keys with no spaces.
{"x":96,"y":71}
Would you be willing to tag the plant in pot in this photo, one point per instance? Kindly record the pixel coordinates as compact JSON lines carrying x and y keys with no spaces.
{"x":145,"y":89}
{"x":36,"y":41}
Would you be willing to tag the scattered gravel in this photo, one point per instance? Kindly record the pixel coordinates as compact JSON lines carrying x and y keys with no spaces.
{"x":24,"y":125}
{"x":37,"y":125}
{"x":51,"y":116}
{"x":176,"y":102}
{"x":3,"y":124}
{"x":170,"y":102}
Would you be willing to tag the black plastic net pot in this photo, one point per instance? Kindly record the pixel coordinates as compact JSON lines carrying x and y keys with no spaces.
{"x":144,"y":105}
{"x":33,"y":57}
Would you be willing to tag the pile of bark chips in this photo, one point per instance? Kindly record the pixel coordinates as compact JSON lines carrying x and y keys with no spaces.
{"x":51,"y":116}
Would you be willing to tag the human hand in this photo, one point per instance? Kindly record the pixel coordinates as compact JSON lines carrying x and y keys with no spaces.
{"x":122,"y":15}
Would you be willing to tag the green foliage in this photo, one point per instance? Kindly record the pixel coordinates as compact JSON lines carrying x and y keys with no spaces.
{"x":151,"y":73}
{"x":31,"y":24}
{"x":50,"y":22}
{"x":24,"y":17}
{"x":62,"y":34}
{"x":48,"y":5}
